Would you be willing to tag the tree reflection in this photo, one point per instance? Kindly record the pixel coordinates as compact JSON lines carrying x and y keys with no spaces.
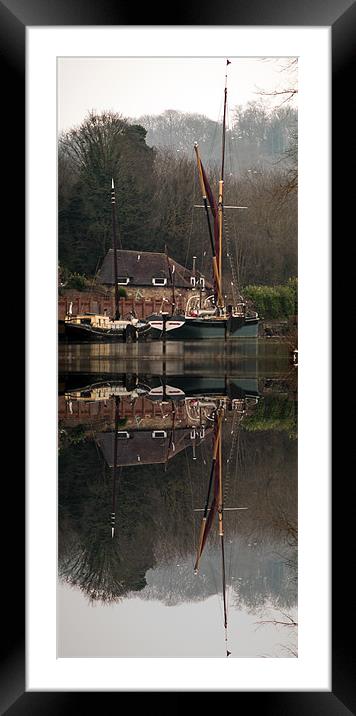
{"x":155,"y":522}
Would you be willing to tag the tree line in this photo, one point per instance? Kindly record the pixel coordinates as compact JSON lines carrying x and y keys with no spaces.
{"x":157,"y":193}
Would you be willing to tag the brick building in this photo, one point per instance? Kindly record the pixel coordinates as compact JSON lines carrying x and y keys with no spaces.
{"x":145,"y":282}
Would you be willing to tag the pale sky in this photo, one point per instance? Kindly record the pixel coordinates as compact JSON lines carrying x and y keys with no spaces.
{"x":138,"y":628}
{"x":137,"y":86}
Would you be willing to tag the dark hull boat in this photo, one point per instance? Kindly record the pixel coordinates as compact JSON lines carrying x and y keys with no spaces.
{"x":179,"y":387}
{"x":232,"y":388}
{"x":87,"y":328}
{"x":190,"y":328}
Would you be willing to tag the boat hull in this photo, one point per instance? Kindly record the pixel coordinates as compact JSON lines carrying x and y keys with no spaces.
{"x":246,"y":327}
{"x":84,"y":333}
{"x":206,"y":328}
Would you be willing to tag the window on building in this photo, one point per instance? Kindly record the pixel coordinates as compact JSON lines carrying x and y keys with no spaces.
{"x":159,"y":434}
{"x":123,"y":280}
{"x":159,"y":281}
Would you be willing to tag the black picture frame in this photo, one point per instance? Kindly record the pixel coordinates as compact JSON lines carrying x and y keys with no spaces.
{"x":340,"y":15}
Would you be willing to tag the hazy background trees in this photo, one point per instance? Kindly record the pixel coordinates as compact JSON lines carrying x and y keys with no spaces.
{"x":256,"y":137}
{"x":152,"y":162}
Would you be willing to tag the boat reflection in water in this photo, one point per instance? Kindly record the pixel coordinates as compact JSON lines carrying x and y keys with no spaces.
{"x":151,"y":472}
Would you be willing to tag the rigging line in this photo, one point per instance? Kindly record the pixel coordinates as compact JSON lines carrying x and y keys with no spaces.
{"x":231,"y":153}
{"x":233,"y":523}
{"x":236,"y":136}
{"x":91,"y":422}
{"x":171,"y":438}
{"x":210,"y":566}
{"x":121,"y":259}
{"x":225,"y":121}
{"x":189,"y":474}
{"x":231,"y":549}
{"x":234,"y":285}
{"x":229,"y":144}
{"x":213,"y":143}
{"x":233,"y":171}
{"x":233,"y":432}
{"x":237,"y":473}
{"x":194,"y":192}
{"x":203,"y":526}
{"x":95,"y":273}
{"x":220,"y":511}
{"x":237,"y":250}
{"x":209,"y":559}
{"x":224,"y":583}
{"x":229,"y":251}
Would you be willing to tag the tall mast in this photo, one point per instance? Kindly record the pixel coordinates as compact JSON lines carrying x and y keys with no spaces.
{"x":221,"y":181}
{"x":114,"y":245}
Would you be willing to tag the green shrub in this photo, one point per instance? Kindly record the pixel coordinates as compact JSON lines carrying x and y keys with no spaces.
{"x":274,"y":413}
{"x":77,"y":281}
{"x":274,"y":301}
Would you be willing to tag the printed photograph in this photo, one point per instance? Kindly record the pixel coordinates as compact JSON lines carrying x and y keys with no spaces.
{"x":177,"y":357}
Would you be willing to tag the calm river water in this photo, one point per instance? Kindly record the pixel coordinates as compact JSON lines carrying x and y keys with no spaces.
{"x":177,"y":500}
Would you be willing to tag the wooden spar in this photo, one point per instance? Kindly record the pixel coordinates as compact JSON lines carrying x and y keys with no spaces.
{"x":206,"y":206}
{"x":226,"y":206}
{"x":204,"y":524}
{"x":226,"y":509}
{"x":114,"y":244}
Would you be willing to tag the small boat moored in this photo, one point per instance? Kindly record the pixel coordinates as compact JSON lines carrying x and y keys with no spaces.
{"x":96,"y":327}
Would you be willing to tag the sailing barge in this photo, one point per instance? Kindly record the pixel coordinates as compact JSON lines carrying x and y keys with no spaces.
{"x":210,"y":317}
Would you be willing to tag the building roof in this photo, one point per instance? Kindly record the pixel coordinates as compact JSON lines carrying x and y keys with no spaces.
{"x":141,"y":267}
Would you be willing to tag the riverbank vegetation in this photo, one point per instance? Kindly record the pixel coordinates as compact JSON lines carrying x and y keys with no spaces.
{"x":274,"y":413}
{"x":272,"y":302}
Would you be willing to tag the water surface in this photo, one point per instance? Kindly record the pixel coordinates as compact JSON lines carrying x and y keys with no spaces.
{"x":140,"y":434}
